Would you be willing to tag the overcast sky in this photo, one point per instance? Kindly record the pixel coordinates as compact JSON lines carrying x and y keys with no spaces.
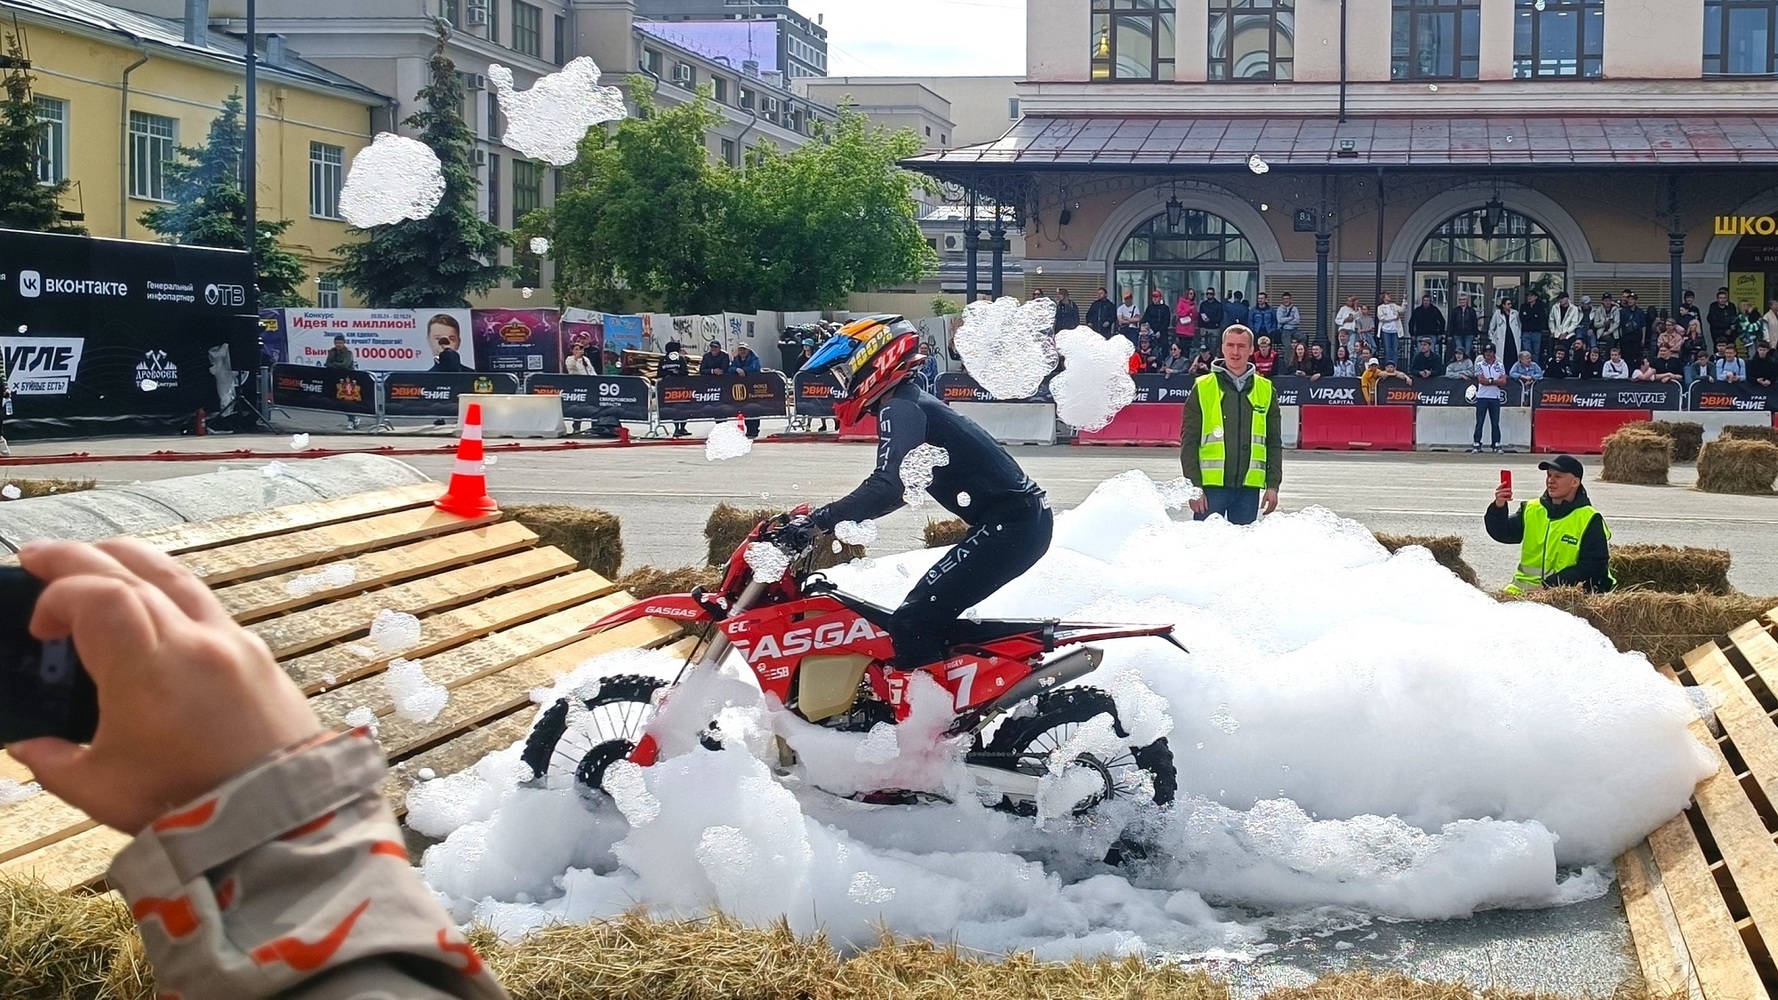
{"x":922,"y":37}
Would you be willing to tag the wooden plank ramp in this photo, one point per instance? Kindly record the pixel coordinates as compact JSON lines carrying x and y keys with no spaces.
{"x":1701,"y":893}
{"x":499,"y":617}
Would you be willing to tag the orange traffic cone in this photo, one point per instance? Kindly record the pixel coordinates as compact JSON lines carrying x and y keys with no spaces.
{"x":467,"y":495}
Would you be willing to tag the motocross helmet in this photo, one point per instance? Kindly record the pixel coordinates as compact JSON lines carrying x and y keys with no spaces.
{"x":866,"y":360}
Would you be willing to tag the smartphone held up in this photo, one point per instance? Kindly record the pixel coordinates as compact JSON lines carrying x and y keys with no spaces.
{"x":44,"y":690}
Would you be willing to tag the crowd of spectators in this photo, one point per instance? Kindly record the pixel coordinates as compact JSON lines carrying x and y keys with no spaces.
{"x":1613,"y":338}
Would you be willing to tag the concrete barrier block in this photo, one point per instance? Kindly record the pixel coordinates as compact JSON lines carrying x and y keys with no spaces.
{"x":1014,"y":423}
{"x":1450,"y":428}
{"x":1290,"y":425}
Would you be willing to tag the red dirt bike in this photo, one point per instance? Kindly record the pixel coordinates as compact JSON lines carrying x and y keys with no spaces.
{"x":822,"y":655}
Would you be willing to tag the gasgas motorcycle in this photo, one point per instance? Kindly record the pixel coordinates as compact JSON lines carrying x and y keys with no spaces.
{"x":822,"y":655}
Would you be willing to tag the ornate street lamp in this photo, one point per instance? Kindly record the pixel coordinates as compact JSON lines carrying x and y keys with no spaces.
{"x":1175,"y":212}
{"x":1493,"y":217}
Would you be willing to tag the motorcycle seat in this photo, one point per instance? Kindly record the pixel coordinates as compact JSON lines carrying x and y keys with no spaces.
{"x":961,"y":632}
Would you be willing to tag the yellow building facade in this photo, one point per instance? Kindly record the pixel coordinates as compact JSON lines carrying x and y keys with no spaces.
{"x":121,"y":91}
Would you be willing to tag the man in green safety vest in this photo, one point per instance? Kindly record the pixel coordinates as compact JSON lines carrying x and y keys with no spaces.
{"x":1230,"y":443}
{"x":1562,"y":540}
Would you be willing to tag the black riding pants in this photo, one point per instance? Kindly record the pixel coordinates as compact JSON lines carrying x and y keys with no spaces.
{"x":993,"y":554}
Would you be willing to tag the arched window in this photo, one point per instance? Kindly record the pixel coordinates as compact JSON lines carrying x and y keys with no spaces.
{"x":1200,"y":251}
{"x":1490,"y":236}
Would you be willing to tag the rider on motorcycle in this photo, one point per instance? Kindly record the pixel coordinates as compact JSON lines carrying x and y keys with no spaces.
{"x":871,"y":362}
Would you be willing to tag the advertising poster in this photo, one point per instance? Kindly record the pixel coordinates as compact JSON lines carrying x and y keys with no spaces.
{"x":1748,"y":287}
{"x":593,"y":396}
{"x":434,"y":394}
{"x":622,"y":333}
{"x":382,"y":340}
{"x":334,"y":389}
{"x":1577,"y":394}
{"x":698,"y":397}
{"x":591,"y":336}
{"x":517,"y":341}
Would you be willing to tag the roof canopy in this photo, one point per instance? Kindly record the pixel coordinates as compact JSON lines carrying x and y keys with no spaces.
{"x":1508,"y":141}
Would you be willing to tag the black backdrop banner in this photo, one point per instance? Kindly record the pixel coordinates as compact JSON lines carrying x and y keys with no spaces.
{"x":334,"y":389}
{"x":1606,"y":394}
{"x":813,"y":394}
{"x":1152,"y":388}
{"x":958,"y":387}
{"x":434,"y":394}
{"x":721,"y":397}
{"x":1723,"y":397}
{"x":1424,"y":392}
{"x":108,"y":335}
{"x":1293,"y":391}
{"x":588,"y":396}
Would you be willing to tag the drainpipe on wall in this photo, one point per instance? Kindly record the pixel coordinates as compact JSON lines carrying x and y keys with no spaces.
{"x":123,"y":145}
{"x":1342,"y":61}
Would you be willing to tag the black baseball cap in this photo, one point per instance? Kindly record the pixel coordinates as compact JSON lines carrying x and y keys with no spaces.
{"x":1564,"y":463}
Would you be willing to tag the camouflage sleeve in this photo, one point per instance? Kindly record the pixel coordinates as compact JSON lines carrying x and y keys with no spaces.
{"x":292,"y":880}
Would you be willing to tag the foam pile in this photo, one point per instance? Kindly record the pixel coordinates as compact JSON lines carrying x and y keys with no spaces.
{"x":1007,"y":346}
{"x":417,"y":698}
{"x":396,"y":178}
{"x":727,"y":440}
{"x":1421,"y":757}
{"x":1096,"y":382}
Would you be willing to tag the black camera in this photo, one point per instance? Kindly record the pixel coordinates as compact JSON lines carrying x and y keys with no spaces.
{"x":44,"y":690}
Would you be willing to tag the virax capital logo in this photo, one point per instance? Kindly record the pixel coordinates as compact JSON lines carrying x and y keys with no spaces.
{"x":797,"y":641}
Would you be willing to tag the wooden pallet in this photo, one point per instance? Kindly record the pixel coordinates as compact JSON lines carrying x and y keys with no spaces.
{"x":499,"y":617}
{"x":1702,"y":892}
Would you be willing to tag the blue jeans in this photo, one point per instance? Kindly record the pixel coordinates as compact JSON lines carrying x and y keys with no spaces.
{"x":1487,"y":409}
{"x":1391,"y":346}
{"x":1465,"y":342}
{"x":1239,"y":504}
{"x":1532,"y":342}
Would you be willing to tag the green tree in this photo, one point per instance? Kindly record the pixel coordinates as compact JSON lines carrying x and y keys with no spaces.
{"x":209,"y":208}
{"x":453,"y":253}
{"x":831,"y":217}
{"x":642,"y":214}
{"x":25,"y":203}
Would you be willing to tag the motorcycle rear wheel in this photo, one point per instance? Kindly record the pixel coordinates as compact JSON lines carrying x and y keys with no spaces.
{"x":617,"y":714}
{"x":1024,"y":744}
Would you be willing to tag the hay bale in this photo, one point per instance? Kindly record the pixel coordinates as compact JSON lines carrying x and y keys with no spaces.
{"x":1730,"y":465}
{"x":1447,"y":550}
{"x":1637,"y":457}
{"x":592,"y":537}
{"x":1662,"y":626}
{"x":941,"y":533}
{"x":46,"y":487}
{"x":729,"y":526}
{"x":1750,"y":432}
{"x":1671,"y":569}
{"x":69,"y":945}
{"x":651,"y":581}
{"x":1688,"y":438}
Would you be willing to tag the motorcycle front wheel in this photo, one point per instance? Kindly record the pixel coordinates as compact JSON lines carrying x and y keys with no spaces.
{"x":1025,"y":743}
{"x":615,"y":716}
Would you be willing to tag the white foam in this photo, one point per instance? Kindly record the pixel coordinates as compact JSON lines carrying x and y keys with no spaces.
{"x":363,"y":717}
{"x":916,"y":472}
{"x":272,"y":469}
{"x":11,"y":491}
{"x":394,"y":178}
{"x":394,"y":631}
{"x":299,"y":442}
{"x":1095,"y":381}
{"x":548,"y":121}
{"x":417,"y":698}
{"x":727,"y":440}
{"x":15,"y":791}
{"x":1007,"y":347}
{"x":767,"y":560}
{"x":856,"y":532}
{"x":539,"y":245}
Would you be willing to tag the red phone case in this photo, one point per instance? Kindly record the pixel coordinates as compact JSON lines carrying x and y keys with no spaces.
{"x":1506,"y":478}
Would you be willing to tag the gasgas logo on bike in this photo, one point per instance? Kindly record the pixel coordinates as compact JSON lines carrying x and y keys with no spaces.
{"x":668,"y":611}
{"x":797,"y":641}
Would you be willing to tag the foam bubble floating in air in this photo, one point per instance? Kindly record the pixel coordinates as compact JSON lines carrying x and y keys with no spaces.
{"x":549,"y":120}
{"x":393,"y":179}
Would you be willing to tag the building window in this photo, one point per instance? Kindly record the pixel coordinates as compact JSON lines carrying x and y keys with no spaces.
{"x":1252,"y":39}
{"x":721,"y":86}
{"x":154,"y":141}
{"x":1202,"y":251}
{"x":52,"y":142}
{"x":1012,"y":109}
{"x":1437,"y":40}
{"x":493,"y":20}
{"x":327,"y":173}
{"x":1740,"y":37}
{"x":452,"y":12}
{"x":494,"y":188}
{"x":327,"y":293}
{"x":651,"y":62}
{"x":561,"y":40}
{"x":556,"y":182}
{"x":527,"y":189}
{"x":730,"y":155}
{"x":1489,"y":253}
{"x":746,"y":99}
{"x":1558,"y":38}
{"x":493,"y":119}
{"x":527,"y":29}
{"x":1133,"y":40}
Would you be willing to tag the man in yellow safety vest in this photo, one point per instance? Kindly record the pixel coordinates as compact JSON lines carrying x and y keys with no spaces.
{"x":1562,"y":540}
{"x":1230,"y":443}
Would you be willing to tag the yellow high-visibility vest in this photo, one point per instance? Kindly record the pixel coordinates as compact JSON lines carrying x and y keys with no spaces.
{"x":1550,"y":547}
{"x":1212,"y":454}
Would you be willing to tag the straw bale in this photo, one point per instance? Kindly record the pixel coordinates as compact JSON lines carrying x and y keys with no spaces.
{"x":1688,"y":438}
{"x":947,"y":532}
{"x":47,"y":487}
{"x":1730,"y":465}
{"x":729,"y":526}
{"x":593,"y":537}
{"x":1671,"y":569}
{"x":1638,"y":458}
{"x":77,"y":945}
{"x":1663,"y":626}
{"x":1750,"y":432}
{"x":1447,"y":550}
{"x":651,"y":581}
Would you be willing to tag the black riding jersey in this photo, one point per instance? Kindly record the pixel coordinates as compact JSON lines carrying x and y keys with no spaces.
{"x":978,"y":466}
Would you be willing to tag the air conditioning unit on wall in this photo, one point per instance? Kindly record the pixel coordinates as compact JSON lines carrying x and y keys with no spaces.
{"x":479,"y":157}
{"x":682,"y":73}
{"x":475,"y":81}
{"x":477,"y":15}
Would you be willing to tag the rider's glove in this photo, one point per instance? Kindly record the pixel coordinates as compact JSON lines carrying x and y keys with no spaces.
{"x":799,"y":533}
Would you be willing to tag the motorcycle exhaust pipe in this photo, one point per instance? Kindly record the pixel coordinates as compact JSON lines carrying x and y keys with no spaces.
{"x":1068,"y":667}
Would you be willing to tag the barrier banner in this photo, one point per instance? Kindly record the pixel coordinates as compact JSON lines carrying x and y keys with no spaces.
{"x":337,"y":390}
{"x":721,"y":397}
{"x":382,"y":340}
{"x":589,"y":396}
{"x":813,"y":395}
{"x":1152,"y":388}
{"x":519,"y":341}
{"x":1425,"y":392}
{"x":434,"y":394}
{"x":1571,"y":394}
{"x":1292,"y":391}
{"x":1732,"y":396}
{"x":958,"y":387}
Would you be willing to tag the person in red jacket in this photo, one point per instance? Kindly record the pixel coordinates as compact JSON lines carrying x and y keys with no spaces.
{"x":1264,"y":358}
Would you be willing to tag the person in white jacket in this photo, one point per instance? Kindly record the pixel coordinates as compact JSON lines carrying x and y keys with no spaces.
{"x":1503,"y":328}
{"x":1564,"y":320}
{"x":1616,"y":367}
